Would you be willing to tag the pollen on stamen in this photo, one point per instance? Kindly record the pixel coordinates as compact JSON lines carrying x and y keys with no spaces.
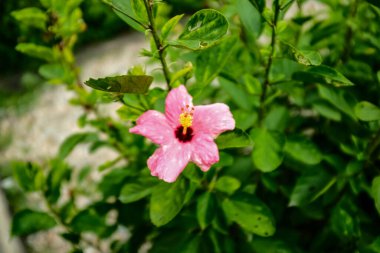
{"x":186,"y":118}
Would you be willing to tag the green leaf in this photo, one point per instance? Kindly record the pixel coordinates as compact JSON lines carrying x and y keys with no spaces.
{"x":375,"y":190}
{"x":367,"y":111}
{"x":55,"y":73}
{"x":89,"y":221}
{"x":204,"y":27}
{"x":139,"y":9}
{"x":313,"y":183}
{"x":36,"y":51}
{"x":31,"y":16}
{"x":344,"y":223}
{"x":374,"y":2}
{"x":122,"y":84}
{"x":211,"y":61}
{"x":270,"y":245}
{"x":227,"y":184}
{"x":305,"y":57}
{"x":185,"y":72}
{"x":342,"y":100}
{"x":28,"y":222}
{"x":330,"y":74}
{"x":205,"y":209}
{"x":169,"y":26}
{"x":327,"y":110}
{"x":72,"y":141}
{"x":27,"y":175}
{"x":166,"y":202}
{"x":59,"y":173}
{"x":250,"y":17}
{"x":123,"y":8}
{"x":267,"y":152}
{"x":237,"y":93}
{"x":303,"y":150}
{"x":251,"y":214}
{"x":137,"y":189}
{"x":236,"y":138}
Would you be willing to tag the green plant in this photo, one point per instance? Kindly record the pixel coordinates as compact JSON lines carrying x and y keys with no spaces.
{"x":299,"y":173}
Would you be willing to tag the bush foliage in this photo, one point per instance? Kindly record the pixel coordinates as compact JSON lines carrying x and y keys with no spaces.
{"x":300,"y":173}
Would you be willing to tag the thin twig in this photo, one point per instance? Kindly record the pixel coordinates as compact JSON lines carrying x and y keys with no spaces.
{"x":269,"y":63}
{"x":160,"y":47}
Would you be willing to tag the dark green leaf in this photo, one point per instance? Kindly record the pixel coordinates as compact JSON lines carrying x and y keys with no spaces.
{"x":72,"y":141}
{"x":122,"y":84}
{"x":236,"y":138}
{"x":227,"y":184}
{"x":331,"y":75}
{"x":251,"y":214}
{"x":303,"y":150}
{"x":166,"y":201}
{"x":327,"y":110}
{"x":28,"y":222}
{"x":344,"y":223}
{"x":267,"y":151}
{"x":205,"y":26}
{"x":137,"y":189}
{"x":205,"y":209}
{"x":89,"y":221}
{"x":59,"y":172}
{"x":29,"y":176}
{"x":342,"y":100}
{"x":211,"y":61}
{"x":237,"y":93}
{"x":367,"y":111}
{"x":376,"y":192}
{"x":313,"y":183}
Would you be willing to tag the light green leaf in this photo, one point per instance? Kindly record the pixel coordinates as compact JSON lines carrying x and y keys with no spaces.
{"x":72,"y":141}
{"x":313,"y":183}
{"x":205,"y":209}
{"x":123,"y":8}
{"x":167,"y":201}
{"x":31,"y":16}
{"x":305,"y":57}
{"x":375,"y":190}
{"x":303,"y":150}
{"x":29,"y":176}
{"x":28,"y":222}
{"x":331,"y":75}
{"x":250,"y":17}
{"x":367,"y":111}
{"x":122,"y":84}
{"x":236,"y":138}
{"x":267,"y":152}
{"x":227,"y":184}
{"x":36,"y":51}
{"x":184,"y":72}
{"x":169,"y":26}
{"x":251,"y":214}
{"x":138,"y":189}
{"x":204,"y":27}
{"x":139,"y":9}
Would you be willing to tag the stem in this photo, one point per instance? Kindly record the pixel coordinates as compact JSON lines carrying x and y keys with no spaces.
{"x":269,"y":63}
{"x":160,"y":47}
{"x":349,"y":33}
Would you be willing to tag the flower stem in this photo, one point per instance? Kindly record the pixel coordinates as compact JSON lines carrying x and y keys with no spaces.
{"x":269,"y":63}
{"x":160,"y":47}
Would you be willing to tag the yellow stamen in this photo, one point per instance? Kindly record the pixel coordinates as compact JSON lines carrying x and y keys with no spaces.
{"x":186,"y":118}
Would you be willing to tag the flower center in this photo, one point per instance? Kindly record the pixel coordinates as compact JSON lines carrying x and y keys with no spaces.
{"x":184,"y":132}
{"x":186,"y":118}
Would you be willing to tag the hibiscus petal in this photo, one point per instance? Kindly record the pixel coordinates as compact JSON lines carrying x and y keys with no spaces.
{"x":204,"y":151}
{"x":168,"y":161}
{"x":177,"y":98}
{"x":213,"y":119}
{"x":154,"y":126}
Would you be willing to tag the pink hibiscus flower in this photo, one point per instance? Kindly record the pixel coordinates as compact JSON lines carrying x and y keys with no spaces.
{"x":185,"y":134}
